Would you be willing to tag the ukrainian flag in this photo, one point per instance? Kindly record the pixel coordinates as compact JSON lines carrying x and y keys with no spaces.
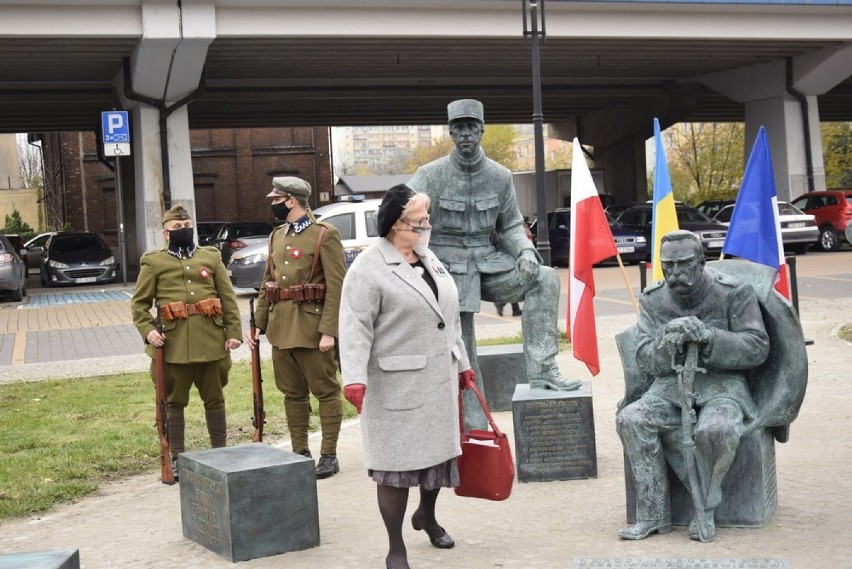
{"x":664,"y":216}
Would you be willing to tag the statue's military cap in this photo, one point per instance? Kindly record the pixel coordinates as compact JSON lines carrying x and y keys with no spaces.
{"x":465,"y":109}
{"x":284,"y":186}
{"x":178,"y":212}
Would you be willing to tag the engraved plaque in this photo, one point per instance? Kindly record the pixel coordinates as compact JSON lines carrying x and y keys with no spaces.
{"x":554,"y":434}
{"x":249,"y":501}
{"x":680,"y":563}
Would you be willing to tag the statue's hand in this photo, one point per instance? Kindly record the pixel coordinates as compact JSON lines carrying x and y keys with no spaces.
{"x":527,"y":265}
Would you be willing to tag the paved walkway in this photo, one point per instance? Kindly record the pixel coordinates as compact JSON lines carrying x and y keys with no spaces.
{"x":135,"y":522}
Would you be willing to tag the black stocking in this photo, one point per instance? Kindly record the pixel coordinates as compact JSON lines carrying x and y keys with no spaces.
{"x":428,"y":498}
{"x":392,"y":504}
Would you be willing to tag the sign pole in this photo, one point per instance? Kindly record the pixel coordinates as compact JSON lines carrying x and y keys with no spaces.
{"x":122,"y":240}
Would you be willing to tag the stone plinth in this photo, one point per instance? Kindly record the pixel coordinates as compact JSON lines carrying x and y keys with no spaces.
{"x":554,"y":434}
{"x":502,"y":368}
{"x":749,"y":490}
{"x":249,"y":501}
{"x":49,"y":559}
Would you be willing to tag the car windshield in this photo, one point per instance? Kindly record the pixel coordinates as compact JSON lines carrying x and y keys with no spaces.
{"x":77,"y":243}
{"x":249,"y":230}
{"x":690,"y":214}
{"x":789,"y":209}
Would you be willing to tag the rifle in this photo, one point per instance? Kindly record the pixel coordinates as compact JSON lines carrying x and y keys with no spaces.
{"x":259,"y":417}
{"x":685,"y":383}
{"x":167,"y":475}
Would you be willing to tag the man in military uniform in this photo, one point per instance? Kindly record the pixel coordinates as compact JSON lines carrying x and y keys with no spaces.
{"x":297,"y":309}
{"x":201,"y":324}
{"x":693,"y":305}
{"x":472,"y":196}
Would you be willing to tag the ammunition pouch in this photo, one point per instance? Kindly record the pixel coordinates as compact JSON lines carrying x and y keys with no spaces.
{"x":209,"y":307}
{"x":296,"y":293}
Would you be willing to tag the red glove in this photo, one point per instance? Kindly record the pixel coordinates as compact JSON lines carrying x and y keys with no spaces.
{"x":354,"y":393}
{"x":467,"y":379}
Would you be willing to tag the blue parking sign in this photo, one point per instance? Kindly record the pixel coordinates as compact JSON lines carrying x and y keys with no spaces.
{"x":116,"y":133}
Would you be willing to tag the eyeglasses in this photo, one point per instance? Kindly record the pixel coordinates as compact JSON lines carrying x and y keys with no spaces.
{"x":422,"y":223}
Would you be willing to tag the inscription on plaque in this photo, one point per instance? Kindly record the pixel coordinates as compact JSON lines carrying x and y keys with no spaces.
{"x":680,"y":563}
{"x":203,"y":520}
{"x":554,"y":434}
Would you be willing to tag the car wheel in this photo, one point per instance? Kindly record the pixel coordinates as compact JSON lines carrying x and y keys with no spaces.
{"x":828,"y":240}
{"x":18,"y":294}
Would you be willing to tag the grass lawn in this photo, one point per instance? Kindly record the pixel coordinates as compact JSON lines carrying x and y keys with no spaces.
{"x":60,"y":439}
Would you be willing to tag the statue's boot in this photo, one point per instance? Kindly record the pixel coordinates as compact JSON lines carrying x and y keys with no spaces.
{"x":709,"y":527}
{"x":642,"y":529}
{"x":541,"y":334}
{"x":555,"y":382}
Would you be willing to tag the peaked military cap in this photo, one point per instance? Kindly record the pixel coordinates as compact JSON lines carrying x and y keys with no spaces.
{"x":284,"y":186}
{"x":178,"y":212}
{"x":465,"y":109}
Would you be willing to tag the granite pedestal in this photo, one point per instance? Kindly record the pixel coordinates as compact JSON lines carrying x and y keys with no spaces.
{"x":554,"y":434}
{"x":49,"y":559}
{"x":249,"y":501}
{"x":749,"y":490}
{"x":502,"y":368}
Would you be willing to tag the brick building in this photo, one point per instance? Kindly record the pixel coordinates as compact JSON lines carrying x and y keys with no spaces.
{"x":232,"y":171}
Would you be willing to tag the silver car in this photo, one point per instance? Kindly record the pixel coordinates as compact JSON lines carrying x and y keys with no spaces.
{"x":798,"y":229}
{"x":356,"y":221}
{"x":13,"y":271}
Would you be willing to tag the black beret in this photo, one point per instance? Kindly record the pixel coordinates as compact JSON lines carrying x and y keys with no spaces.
{"x":392,"y":205}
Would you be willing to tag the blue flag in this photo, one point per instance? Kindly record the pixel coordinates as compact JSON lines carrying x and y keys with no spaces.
{"x":755,"y":229}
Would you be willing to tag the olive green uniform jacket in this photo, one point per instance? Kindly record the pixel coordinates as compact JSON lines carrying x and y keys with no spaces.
{"x":163,"y":278}
{"x":288,"y":324}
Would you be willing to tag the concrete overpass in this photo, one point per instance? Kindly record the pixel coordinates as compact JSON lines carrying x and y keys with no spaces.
{"x":607,"y":69}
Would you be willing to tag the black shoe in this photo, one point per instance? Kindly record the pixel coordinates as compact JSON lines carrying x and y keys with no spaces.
{"x":328,"y":466}
{"x":517,"y":312}
{"x":305,"y":452}
{"x":441,"y":541}
{"x":175,"y":469}
{"x":499,"y":309}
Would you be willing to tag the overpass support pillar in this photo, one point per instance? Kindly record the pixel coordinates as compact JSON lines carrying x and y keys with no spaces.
{"x":624,"y":169}
{"x":782,"y":96}
{"x":149,"y":175}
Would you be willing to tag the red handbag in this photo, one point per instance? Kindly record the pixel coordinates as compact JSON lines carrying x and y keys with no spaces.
{"x":486,"y":467}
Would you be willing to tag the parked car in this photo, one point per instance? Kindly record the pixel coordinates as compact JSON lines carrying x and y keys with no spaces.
{"x":711,"y":233}
{"x":632,"y":245}
{"x":35,"y":248}
{"x":711,"y":207}
{"x":18,"y":244}
{"x":236,"y":235}
{"x":614,"y":210}
{"x":356,"y":221}
{"x":77,"y":257}
{"x":207,"y":231}
{"x":798,"y":229}
{"x":833,"y":211}
{"x":13,"y":271}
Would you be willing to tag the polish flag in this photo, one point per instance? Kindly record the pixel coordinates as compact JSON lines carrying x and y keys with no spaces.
{"x":591,"y":243}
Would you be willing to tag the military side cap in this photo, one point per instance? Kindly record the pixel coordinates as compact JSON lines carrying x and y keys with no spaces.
{"x":178,"y":212}
{"x":465,"y":109}
{"x":284,"y":186}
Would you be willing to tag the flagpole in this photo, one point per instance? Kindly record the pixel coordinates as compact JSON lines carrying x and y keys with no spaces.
{"x":627,"y":283}
{"x":721,"y":255}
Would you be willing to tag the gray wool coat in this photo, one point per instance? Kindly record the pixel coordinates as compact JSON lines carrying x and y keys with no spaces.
{"x":406,"y":347}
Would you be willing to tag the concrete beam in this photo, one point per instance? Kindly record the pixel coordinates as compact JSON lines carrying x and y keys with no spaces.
{"x":813,"y":74}
{"x":616,"y":125}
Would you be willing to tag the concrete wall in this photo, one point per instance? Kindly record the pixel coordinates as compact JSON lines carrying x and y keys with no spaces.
{"x":10,"y":171}
{"x":25,"y":201}
{"x":557,"y":187}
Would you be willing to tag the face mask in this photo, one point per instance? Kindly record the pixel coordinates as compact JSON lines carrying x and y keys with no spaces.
{"x":182,"y":237}
{"x":280,"y":211}
{"x":422,"y":245}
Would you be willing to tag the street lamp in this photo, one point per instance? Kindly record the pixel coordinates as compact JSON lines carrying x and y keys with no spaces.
{"x":537,"y":31}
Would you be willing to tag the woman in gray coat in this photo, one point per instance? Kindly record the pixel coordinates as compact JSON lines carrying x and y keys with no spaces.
{"x":403,"y":362}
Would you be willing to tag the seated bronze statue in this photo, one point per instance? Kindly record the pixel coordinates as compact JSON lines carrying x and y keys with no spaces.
{"x":716,"y":354}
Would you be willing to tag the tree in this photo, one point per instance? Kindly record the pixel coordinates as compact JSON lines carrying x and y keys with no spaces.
{"x":705,"y":160}
{"x":425,"y":154}
{"x":29,"y":162}
{"x":837,"y":153}
{"x":14,"y":224}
